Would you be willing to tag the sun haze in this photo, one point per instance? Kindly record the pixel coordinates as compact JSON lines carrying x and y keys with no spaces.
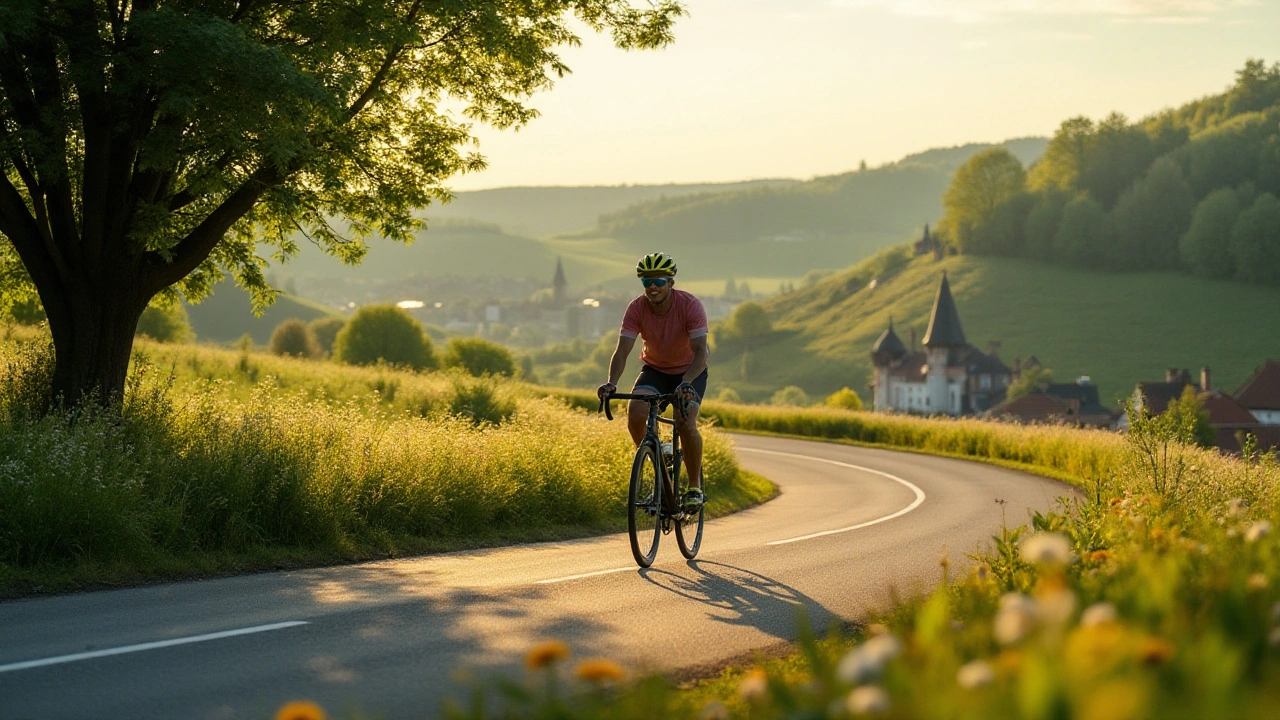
{"x":797,"y":88}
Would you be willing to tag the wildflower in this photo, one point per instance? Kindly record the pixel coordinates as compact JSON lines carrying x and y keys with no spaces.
{"x":867,"y":700}
{"x":1014,"y":619}
{"x":883,"y":647}
{"x":1098,"y":614}
{"x":754,"y":686}
{"x":1257,"y":581}
{"x":599,"y":671}
{"x":1236,"y":507}
{"x":1275,"y":613}
{"x":1155,"y":651}
{"x":715,"y":711}
{"x":1274,"y":638}
{"x":1047,"y":548}
{"x":858,"y":666}
{"x":1258,"y":530}
{"x":1099,"y":556}
{"x":1056,"y":606}
{"x":982,"y":572}
{"x":300,"y":710}
{"x":975,"y":674}
{"x":875,"y":629}
{"x":546,"y":653}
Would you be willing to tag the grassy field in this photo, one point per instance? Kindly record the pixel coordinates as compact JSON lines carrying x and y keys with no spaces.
{"x":1118,"y":329}
{"x":225,"y":461}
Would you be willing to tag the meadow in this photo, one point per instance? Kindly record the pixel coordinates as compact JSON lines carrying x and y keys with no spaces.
{"x":223,"y":461}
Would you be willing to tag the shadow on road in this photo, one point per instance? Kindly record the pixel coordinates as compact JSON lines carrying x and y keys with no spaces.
{"x":737,"y":596}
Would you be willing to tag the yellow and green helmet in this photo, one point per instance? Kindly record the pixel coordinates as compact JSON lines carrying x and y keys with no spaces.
{"x":655,"y":263}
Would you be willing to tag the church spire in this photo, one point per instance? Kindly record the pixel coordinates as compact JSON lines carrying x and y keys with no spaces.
{"x":559,"y":284}
{"x":944,"y":323}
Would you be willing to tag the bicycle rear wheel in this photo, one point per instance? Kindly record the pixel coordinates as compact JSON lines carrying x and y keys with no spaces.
{"x":689,"y":529}
{"x":644,"y":502}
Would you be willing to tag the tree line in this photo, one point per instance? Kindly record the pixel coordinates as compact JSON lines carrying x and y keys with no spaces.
{"x":1194,"y":189}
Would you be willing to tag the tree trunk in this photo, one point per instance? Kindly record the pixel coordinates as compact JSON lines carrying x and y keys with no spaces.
{"x":92,"y":342}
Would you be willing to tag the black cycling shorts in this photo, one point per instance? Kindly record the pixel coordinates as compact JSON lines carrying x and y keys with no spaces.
{"x":663,"y":383}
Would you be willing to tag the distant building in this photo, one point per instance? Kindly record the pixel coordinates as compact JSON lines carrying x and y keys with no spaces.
{"x":559,"y":286}
{"x":949,"y":376}
{"x":928,"y":244}
{"x":1060,"y":403}
{"x":1231,"y":416}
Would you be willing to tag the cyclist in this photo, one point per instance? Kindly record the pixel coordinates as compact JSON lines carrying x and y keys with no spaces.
{"x":673,"y":325}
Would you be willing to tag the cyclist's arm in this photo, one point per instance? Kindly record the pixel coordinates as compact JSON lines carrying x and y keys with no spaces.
{"x":700,"y":355}
{"x":618,"y":363}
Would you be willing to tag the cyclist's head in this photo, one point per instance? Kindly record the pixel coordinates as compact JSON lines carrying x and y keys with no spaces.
{"x":656,"y":265}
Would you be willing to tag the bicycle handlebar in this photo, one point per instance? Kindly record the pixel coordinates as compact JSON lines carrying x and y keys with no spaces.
{"x":647,"y":397}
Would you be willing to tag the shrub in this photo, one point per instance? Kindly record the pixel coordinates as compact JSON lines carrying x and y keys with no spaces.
{"x":728,"y":394}
{"x":293,"y":337}
{"x":844,"y":398}
{"x":325,"y":330}
{"x":479,"y":402}
{"x":790,"y":395}
{"x":479,"y":357}
{"x":26,"y":380}
{"x":387,"y":333}
{"x":164,"y":324}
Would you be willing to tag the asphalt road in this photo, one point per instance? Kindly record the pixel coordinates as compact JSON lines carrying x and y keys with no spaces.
{"x":851,"y":526}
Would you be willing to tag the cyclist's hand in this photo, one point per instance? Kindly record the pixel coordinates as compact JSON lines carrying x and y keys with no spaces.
{"x":687,"y":393}
{"x":605,"y":390}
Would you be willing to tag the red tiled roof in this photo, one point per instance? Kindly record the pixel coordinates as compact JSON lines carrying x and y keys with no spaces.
{"x":1268,"y":437}
{"x":1262,"y":390}
{"x":1224,"y":410}
{"x":1035,"y":408}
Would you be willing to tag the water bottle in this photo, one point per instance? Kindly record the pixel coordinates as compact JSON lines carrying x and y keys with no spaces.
{"x":667,"y":450}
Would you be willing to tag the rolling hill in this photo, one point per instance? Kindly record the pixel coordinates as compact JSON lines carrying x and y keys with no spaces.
{"x":1116,"y":328}
{"x":228,"y":313}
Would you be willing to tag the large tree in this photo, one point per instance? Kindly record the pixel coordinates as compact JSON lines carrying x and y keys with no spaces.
{"x":149,"y":146}
{"x":980,"y":185}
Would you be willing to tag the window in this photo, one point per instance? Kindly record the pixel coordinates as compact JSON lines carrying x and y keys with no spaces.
{"x":984,"y":382}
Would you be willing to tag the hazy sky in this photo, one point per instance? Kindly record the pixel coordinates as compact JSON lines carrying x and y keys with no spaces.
{"x":797,"y":88}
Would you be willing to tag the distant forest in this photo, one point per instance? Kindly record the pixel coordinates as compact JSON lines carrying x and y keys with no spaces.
{"x":1194,"y":189}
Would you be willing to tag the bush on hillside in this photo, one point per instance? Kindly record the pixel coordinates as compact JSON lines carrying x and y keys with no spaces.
{"x":480,"y":402}
{"x":790,"y":395}
{"x":326,"y":330}
{"x":728,"y":394}
{"x":844,"y":398}
{"x":294,"y":338}
{"x":478,"y":356}
{"x":164,"y":324}
{"x":387,"y":333}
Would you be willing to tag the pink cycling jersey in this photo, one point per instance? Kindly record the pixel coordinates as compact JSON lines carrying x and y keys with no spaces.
{"x":666,"y":338}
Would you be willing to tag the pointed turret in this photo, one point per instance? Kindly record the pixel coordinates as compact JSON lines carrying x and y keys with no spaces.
{"x":559,"y":284}
{"x":944,"y":323}
{"x":888,"y":348}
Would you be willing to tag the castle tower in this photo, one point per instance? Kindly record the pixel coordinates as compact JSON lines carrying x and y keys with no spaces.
{"x":559,"y":284}
{"x":943,"y":336}
{"x":887,"y":350}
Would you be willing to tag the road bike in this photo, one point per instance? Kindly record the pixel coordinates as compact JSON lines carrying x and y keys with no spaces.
{"x":657,"y":486}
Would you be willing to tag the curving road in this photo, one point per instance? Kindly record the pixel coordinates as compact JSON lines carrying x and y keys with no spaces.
{"x":851,"y":527}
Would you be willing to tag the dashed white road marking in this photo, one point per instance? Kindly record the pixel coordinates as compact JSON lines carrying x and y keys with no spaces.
{"x":27,"y":665}
{"x":915,"y":504}
{"x":586,"y":575}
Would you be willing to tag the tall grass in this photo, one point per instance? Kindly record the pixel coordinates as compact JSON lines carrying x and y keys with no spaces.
{"x":200,"y":462}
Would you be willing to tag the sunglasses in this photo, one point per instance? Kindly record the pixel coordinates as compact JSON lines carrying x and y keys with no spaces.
{"x":660,"y":282}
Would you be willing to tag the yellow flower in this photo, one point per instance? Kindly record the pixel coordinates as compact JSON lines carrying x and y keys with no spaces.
{"x":300,"y":710}
{"x":754,"y":686}
{"x":1099,"y":556}
{"x":599,"y":671}
{"x":715,"y":711}
{"x":546,"y":653}
{"x":1258,"y":581}
{"x":1155,"y":651}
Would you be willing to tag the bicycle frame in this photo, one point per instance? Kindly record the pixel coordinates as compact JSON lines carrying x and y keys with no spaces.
{"x":670,"y":476}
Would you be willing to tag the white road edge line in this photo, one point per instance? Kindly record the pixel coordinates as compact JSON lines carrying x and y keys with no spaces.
{"x":147,"y":646}
{"x":919,"y":495}
{"x":584,"y":575}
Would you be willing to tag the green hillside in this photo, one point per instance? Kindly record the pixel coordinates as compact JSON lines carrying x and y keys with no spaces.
{"x":1116,"y":328}
{"x":228,"y":314}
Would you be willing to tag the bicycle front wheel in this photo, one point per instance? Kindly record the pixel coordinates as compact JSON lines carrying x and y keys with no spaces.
{"x":689,"y":531}
{"x":644,"y":503}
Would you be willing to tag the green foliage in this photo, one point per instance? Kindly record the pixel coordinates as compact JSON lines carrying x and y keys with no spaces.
{"x":1059,"y":167}
{"x":1255,"y":241}
{"x":1149,"y":218}
{"x":1202,"y":247}
{"x":1029,"y":379}
{"x":1043,"y":223}
{"x":384,"y":333}
{"x":479,"y":402}
{"x":477,"y":357}
{"x":729,"y":395}
{"x":294,"y":337}
{"x":165,"y":323}
{"x":790,"y":395}
{"x":1081,"y":237}
{"x":745,"y":328}
{"x":26,"y":379}
{"x":325,"y":330}
{"x":844,"y":398}
{"x":977,"y":189}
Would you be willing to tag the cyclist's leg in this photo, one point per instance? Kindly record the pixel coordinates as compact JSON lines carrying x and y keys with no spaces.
{"x":638,"y":410}
{"x":690,"y":437}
